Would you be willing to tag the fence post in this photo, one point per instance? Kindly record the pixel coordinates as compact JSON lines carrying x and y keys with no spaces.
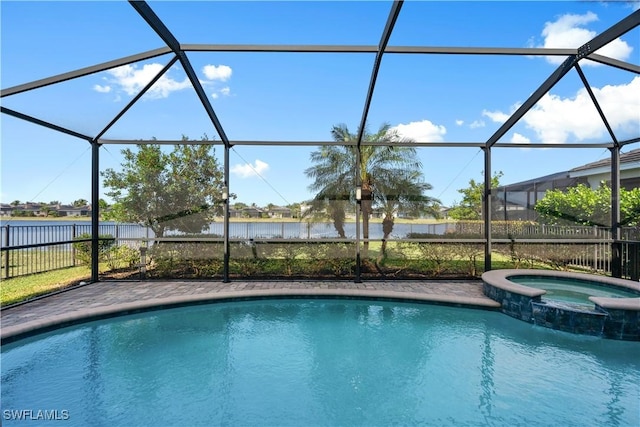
{"x":7,"y":252}
{"x":634,"y":259}
{"x":616,"y":259}
{"x":595,"y":249}
{"x":73,"y":247}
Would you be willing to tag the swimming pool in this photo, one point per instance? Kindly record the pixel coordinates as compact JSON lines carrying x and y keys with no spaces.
{"x":612,"y":310}
{"x":571,"y":290}
{"x":320,"y":362}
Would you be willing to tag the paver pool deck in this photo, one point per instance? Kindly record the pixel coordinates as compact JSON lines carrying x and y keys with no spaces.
{"x":109,"y":298}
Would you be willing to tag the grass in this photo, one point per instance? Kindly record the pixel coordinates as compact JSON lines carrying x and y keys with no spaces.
{"x":23,"y":288}
{"x":272,"y":261}
{"x":29,"y":261}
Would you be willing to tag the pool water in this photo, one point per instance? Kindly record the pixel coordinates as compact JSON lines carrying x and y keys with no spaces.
{"x":321,"y":363}
{"x":573,"y":291}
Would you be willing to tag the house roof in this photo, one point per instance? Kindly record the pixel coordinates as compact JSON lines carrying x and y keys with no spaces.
{"x":531,"y":183}
{"x":629,"y":157}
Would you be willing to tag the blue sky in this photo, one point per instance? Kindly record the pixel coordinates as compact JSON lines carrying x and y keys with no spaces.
{"x":293,"y":97}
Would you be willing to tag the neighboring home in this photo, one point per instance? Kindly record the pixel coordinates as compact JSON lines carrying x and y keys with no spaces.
{"x":44,"y":210}
{"x":6,"y":209}
{"x":235,"y":213}
{"x":252,"y":212}
{"x":599,"y":171}
{"x":69,"y":210}
{"x":279,"y":212}
{"x":516,"y":201}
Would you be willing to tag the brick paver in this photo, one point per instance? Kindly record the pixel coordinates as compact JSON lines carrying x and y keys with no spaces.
{"x":102,"y":297}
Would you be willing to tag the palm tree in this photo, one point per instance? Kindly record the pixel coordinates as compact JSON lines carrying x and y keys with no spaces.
{"x":385,"y":170}
{"x":405,"y":193}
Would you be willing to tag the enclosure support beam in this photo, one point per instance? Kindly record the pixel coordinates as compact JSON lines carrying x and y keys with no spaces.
{"x":83,"y":72}
{"x":554,"y":78}
{"x":160,"y":28}
{"x":486,"y":208}
{"x":384,"y":40}
{"x":42,"y":123}
{"x":137,"y":97}
{"x":95,"y":210}
{"x":584,"y":51}
{"x":585,"y":82}
{"x":616,"y":247}
{"x":386,"y":34}
{"x":226,"y":257}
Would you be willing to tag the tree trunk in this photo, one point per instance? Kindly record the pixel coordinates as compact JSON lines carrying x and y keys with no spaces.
{"x":387,"y":228}
{"x":366,"y":203}
{"x":338,"y":215}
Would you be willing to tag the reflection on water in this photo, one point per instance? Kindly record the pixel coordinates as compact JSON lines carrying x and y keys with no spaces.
{"x":323,"y":362}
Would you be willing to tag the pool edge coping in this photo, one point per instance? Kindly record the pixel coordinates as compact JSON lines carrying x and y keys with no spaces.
{"x":16,"y":332}
{"x":500,"y":279}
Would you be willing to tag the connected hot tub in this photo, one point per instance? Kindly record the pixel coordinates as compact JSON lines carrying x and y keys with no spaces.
{"x":572,"y":302}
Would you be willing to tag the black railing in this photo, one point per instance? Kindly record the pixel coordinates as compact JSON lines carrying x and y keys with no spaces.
{"x":34,"y":249}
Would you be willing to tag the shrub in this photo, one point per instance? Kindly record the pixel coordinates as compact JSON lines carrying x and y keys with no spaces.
{"x":122,"y":256}
{"x":83,"y":249}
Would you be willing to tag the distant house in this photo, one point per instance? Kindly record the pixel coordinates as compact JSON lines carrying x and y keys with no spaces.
{"x":235,"y":213}
{"x":68,"y":210}
{"x":596,"y":172}
{"x":279,"y":212}
{"x":31,"y":209}
{"x":516,"y":201}
{"x":252,"y":212}
{"x":6,"y":209}
{"x":37,"y":209}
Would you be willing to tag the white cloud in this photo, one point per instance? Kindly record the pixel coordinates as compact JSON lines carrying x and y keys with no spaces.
{"x":220,"y":72}
{"x":459,"y":122}
{"x":247,"y":170}
{"x":520,"y":139}
{"x":569,"y":31}
{"x":422,"y":131}
{"x":555,"y":119}
{"x":102,"y":89}
{"x":496,"y":116}
{"x":132,"y":79}
{"x":214,"y":75}
{"x":477,"y":124}
{"x":225,"y":91}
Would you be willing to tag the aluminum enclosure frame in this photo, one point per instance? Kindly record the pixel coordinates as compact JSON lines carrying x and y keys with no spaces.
{"x":588,"y":51}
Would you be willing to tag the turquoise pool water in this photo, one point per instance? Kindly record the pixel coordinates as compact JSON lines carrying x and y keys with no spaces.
{"x":320,"y":363}
{"x":573,"y":291}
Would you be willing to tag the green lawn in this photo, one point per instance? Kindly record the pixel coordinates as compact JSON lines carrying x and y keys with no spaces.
{"x":28,"y":261}
{"x":26,"y":287}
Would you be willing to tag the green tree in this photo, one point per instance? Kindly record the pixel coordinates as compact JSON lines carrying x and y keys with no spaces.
{"x":295,"y":209}
{"x":15,"y":203}
{"x":389,"y":176}
{"x":47,"y":211}
{"x":586,"y":206}
{"x":180,"y":190}
{"x":80,"y":203}
{"x":405,"y":193}
{"x":470,"y":208}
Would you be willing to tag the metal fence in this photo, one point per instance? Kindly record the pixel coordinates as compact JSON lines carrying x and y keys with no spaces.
{"x":28,"y":249}
{"x":32,"y":249}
